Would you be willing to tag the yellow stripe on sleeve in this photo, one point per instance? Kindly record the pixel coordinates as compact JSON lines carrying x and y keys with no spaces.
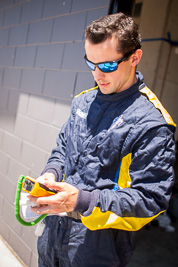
{"x":155,"y":101}
{"x":104,"y":220}
{"x":124,"y":177}
{"x":83,"y":92}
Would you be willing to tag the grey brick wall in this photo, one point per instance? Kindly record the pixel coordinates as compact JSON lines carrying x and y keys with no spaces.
{"x":41,"y":69}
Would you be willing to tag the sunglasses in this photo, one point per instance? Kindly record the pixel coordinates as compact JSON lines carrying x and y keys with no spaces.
{"x":108,"y":66}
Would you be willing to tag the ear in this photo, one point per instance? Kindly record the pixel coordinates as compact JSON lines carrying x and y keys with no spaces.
{"x":136,"y":57}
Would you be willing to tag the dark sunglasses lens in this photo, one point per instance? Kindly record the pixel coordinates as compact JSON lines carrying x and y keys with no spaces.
{"x":90,"y":65}
{"x":108,"y":67}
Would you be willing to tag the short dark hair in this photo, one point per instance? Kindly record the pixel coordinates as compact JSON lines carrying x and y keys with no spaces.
{"x":119,"y":25}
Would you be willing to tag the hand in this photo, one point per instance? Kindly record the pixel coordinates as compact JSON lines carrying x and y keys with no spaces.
{"x":63,"y":201}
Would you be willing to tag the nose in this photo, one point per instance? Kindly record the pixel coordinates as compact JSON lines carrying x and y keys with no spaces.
{"x":98,"y":74}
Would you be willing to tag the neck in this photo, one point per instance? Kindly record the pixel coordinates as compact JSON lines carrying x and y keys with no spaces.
{"x":129,"y":82}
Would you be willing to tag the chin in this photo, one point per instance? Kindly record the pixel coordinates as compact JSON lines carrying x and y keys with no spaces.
{"x":106,"y":91}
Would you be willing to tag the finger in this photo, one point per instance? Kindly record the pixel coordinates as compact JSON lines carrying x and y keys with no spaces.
{"x":39,"y":200}
{"x":44,"y":200}
{"x":50,"y":183}
{"x":41,"y":209}
{"x":49,"y":179}
{"x":32,"y":198}
{"x":54,"y":185}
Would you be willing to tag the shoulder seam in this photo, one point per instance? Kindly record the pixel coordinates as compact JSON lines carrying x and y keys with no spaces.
{"x":155,"y":101}
{"x":86,"y":91}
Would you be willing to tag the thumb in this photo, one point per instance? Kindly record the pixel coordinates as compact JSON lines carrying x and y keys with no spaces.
{"x":53,"y":185}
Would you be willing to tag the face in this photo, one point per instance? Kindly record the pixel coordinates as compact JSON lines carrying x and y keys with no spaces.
{"x":116,"y":81}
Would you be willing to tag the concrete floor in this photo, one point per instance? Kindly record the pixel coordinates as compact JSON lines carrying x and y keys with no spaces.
{"x":154,"y":247}
{"x":7,"y":257}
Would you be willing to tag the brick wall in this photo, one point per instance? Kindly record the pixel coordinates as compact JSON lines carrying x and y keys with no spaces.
{"x":159,"y":64}
{"x":41,"y":69}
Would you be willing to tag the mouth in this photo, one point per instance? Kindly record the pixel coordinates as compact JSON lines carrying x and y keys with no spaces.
{"x":103,"y":84}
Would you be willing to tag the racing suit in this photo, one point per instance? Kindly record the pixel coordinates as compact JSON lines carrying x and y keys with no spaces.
{"x":118,"y":150}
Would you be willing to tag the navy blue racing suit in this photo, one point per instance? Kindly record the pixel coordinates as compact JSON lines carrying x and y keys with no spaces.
{"x":119,"y":151}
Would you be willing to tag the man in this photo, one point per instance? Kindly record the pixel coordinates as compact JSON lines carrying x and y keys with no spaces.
{"x":113,"y":165}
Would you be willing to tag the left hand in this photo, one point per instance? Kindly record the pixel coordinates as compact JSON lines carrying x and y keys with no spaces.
{"x":63,"y":201}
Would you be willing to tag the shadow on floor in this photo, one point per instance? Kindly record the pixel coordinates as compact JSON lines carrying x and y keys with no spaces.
{"x":154,"y":247}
